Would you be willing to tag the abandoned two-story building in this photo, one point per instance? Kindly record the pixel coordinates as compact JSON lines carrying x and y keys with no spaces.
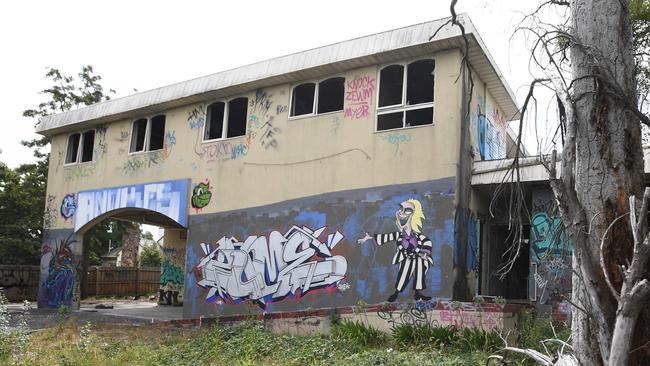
{"x":356,"y":172}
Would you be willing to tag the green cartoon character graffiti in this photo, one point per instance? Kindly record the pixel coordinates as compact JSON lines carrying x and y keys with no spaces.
{"x":201,"y":195}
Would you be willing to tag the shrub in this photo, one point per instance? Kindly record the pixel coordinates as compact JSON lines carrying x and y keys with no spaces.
{"x":424,"y":334}
{"x":476,"y":339}
{"x":359,"y":333}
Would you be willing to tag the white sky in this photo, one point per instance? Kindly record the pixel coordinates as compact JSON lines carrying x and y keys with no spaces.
{"x":148,"y":44}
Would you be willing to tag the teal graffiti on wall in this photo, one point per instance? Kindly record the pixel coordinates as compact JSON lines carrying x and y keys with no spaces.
{"x":171,"y":274}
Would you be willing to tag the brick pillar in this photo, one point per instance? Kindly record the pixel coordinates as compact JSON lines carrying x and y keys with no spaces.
{"x":130,"y":244}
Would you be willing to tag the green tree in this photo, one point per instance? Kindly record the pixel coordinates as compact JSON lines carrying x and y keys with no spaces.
{"x":22,"y":190}
{"x":150,"y":256}
{"x":106,"y":233}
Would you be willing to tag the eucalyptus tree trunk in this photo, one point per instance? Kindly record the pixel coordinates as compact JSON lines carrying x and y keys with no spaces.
{"x":602,"y":166}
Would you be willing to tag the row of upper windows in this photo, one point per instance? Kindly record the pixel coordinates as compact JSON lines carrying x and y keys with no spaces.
{"x":405,"y":100}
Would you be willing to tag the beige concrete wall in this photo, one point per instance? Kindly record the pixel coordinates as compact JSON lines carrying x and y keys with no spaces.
{"x":305,"y":156}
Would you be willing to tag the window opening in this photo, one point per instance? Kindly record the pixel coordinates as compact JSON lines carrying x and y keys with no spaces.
{"x":302,"y":99}
{"x":237,"y":110}
{"x":73,"y":148}
{"x":330,"y":95}
{"x":215,"y":117}
{"x":391,"y":85}
{"x":138,"y":134}
{"x":157,"y":134}
{"x":406,"y":95}
{"x":420,"y":80}
{"x":88,"y":145}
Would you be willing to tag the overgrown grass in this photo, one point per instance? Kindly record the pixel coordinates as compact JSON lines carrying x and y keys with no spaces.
{"x":250,"y":343}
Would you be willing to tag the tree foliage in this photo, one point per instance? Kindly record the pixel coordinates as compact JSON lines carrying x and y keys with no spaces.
{"x":22,"y":190}
{"x":106,"y":233}
{"x":150,"y":256}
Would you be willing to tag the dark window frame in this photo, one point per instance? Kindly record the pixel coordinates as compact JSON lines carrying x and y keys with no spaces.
{"x":225,"y":120}
{"x":80,"y":148}
{"x":317,"y":84}
{"x":147,"y":134}
{"x":403,"y":107}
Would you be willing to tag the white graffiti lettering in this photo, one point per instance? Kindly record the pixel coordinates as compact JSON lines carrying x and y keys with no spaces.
{"x":266,"y":270}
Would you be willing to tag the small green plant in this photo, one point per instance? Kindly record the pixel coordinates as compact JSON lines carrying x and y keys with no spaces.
{"x":63,"y":311}
{"x":359,"y":333}
{"x":424,"y":334}
{"x":476,"y":339}
{"x":84,"y":336}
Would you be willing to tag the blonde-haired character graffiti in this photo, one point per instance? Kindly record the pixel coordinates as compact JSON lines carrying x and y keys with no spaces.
{"x":413,"y":255}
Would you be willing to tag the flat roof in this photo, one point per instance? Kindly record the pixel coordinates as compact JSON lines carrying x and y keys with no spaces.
{"x":390,"y":46}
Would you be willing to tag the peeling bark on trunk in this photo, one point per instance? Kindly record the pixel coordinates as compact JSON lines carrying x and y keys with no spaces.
{"x":608,"y":165}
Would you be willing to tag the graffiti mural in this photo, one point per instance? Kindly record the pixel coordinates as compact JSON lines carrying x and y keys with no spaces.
{"x":168,"y":198}
{"x":488,"y":131}
{"x":68,"y":206}
{"x":358,"y":97}
{"x":138,"y":163}
{"x":413,"y":254}
{"x":246,"y":266}
{"x":201,"y":195}
{"x":265,"y":269}
{"x":172,"y":277}
{"x":550,"y":251}
{"x":58,"y":287}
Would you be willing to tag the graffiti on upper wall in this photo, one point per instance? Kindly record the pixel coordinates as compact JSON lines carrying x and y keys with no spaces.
{"x":140,"y":162}
{"x":172,"y":277}
{"x":550,"y":251}
{"x":396,"y":139}
{"x":102,"y":146}
{"x":168,"y":198}
{"x":59,"y":286}
{"x":261,"y":103}
{"x":266,"y":270}
{"x":196,"y":117}
{"x":68,"y":206}
{"x":488,"y":131}
{"x":413,"y":254}
{"x":217,"y":150}
{"x":49,"y":216}
{"x":201,"y":195}
{"x":269,"y":132}
{"x":358,"y":95}
{"x":78,"y":171}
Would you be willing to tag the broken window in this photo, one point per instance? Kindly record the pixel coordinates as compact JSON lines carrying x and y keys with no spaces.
{"x":391,"y":85}
{"x":237,"y":110}
{"x":73,"y":148}
{"x":138,"y":134}
{"x":157,"y":134}
{"x":214,"y":125}
{"x":330,"y":95}
{"x":406,"y":95}
{"x":87,"y":146}
{"x":302,"y":99}
{"x":149,"y":133}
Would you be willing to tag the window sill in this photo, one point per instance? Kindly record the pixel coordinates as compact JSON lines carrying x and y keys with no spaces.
{"x":222,"y":139}
{"x":406,"y":128}
{"x":66,"y":165}
{"x":136,"y":153}
{"x":312,"y":115}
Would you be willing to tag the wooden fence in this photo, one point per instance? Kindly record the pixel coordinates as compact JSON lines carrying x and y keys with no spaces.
{"x":121,"y":281}
{"x":20,"y":282}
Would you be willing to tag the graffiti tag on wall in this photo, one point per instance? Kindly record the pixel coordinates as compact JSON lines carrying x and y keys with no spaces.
{"x":61,"y":273}
{"x":168,"y":198}
{"x":265,"y":269}
{"x":358,"y":95}
{"x":172,"y":276}
{"x":488,"y":131}
{"x":550,"y":252}
{"x":201,"y":195}
{"x":68,"y":206}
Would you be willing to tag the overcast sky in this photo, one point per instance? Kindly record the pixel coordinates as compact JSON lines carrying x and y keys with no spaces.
{"x":147,"y":44}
